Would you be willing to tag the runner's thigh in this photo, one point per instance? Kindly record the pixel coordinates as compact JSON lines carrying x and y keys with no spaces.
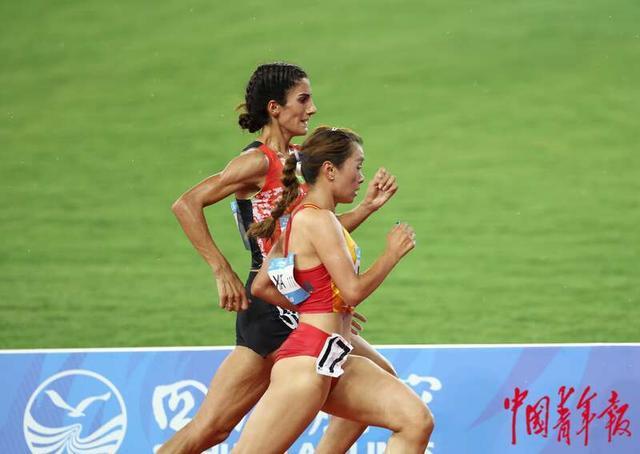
{"x":363,"y":348}
{"x":372,"y":396}
{"x":293,"y":399}
{"x":238,"y":384}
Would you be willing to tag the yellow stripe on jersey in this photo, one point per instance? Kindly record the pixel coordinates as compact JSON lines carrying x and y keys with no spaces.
{"x":338,"y":304}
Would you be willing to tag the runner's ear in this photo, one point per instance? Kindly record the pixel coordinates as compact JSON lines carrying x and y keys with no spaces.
{"x":328,"y":169}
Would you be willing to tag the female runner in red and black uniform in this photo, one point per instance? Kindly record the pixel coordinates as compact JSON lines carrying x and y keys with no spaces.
{"x":314,"y":370}
{"x":278,"y":103}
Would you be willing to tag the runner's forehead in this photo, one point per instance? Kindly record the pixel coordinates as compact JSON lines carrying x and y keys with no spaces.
{"x":302,"y":87}
{"x":358,"y":153}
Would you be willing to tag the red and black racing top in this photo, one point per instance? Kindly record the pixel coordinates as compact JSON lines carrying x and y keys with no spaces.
{"x":258,"y":207}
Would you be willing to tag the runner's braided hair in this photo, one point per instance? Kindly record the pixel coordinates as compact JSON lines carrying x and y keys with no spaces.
{"x":268,"y":82}
{"x":324,"y":144}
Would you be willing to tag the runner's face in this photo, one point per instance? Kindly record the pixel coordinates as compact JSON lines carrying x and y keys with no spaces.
{"x":294,"y":115}
{"x":349,"y":177}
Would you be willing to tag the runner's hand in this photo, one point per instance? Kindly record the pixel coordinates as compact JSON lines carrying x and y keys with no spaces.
{"x":400,"y":240}
{"x":231,"y":293}
{"x":356,"y":328}
{"x":381,"y":188}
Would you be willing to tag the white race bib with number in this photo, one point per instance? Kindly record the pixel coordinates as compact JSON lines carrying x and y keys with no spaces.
{"x":333,"y":355}
{"x":288,"y":317}
{"x":281,"y":274}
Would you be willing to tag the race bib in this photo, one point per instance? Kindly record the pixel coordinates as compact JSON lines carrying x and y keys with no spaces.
{"x":333,"y":355}
{"x":284,"y":220}
{"x":281,"y":274}
{"x":288,"y":317}
{"x":235,"y":209}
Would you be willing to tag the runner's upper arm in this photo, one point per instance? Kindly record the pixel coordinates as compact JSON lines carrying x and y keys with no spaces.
{"x":244,"y":172}
{"x":327,"y":238}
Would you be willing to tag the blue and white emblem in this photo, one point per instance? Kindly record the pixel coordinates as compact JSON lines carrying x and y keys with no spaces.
{"x":423,"y":385}
{"x":75,"y":411}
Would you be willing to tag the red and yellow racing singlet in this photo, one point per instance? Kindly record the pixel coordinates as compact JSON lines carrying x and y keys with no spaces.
{"x":324,"y":295}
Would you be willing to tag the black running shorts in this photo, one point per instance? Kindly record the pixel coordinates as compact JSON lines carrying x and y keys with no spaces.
{"x":263,"y":327}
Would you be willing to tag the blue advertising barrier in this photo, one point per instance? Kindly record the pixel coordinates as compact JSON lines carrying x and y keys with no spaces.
{"x":485,"y":399}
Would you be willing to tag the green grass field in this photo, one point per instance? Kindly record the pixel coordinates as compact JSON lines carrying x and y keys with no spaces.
{"x":512,"y":127}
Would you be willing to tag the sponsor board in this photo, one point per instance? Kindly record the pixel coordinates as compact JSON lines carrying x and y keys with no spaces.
{"x":485,"y":399}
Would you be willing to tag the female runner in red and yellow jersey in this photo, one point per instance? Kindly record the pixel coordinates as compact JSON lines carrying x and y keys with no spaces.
{"x":316,"y":367}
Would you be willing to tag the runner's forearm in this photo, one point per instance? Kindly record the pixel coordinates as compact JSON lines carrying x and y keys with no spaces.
{"x":365,"y":284}
{"x":351,"y":220}
{"x":194,"y":224}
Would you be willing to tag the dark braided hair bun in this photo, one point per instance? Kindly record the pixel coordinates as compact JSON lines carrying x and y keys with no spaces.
{"x":268,"y":82}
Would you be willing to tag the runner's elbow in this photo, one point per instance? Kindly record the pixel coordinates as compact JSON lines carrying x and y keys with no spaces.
{"x":179,"y":205}
{"x":184,"y":204}
{"x":258,"y":289}
{"x":352,"y":295}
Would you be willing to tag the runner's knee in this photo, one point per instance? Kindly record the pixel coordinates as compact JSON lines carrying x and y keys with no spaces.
{"x":211,"y":432}
{"x":416,"y":421}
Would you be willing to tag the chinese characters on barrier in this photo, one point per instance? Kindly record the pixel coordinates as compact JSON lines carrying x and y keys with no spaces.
{"x":539,"y":415}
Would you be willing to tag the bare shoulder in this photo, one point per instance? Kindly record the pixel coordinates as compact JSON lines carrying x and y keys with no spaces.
{"x":318,"y":221}
{"x":250,"y":164}
{"x":253,"y":157}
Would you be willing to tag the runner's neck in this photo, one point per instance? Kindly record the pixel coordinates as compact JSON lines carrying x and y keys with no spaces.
{"x":276,"y":140}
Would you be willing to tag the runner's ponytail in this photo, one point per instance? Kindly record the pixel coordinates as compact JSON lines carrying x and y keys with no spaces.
{"x":290,"y":194}
{"x":324,"y":144}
